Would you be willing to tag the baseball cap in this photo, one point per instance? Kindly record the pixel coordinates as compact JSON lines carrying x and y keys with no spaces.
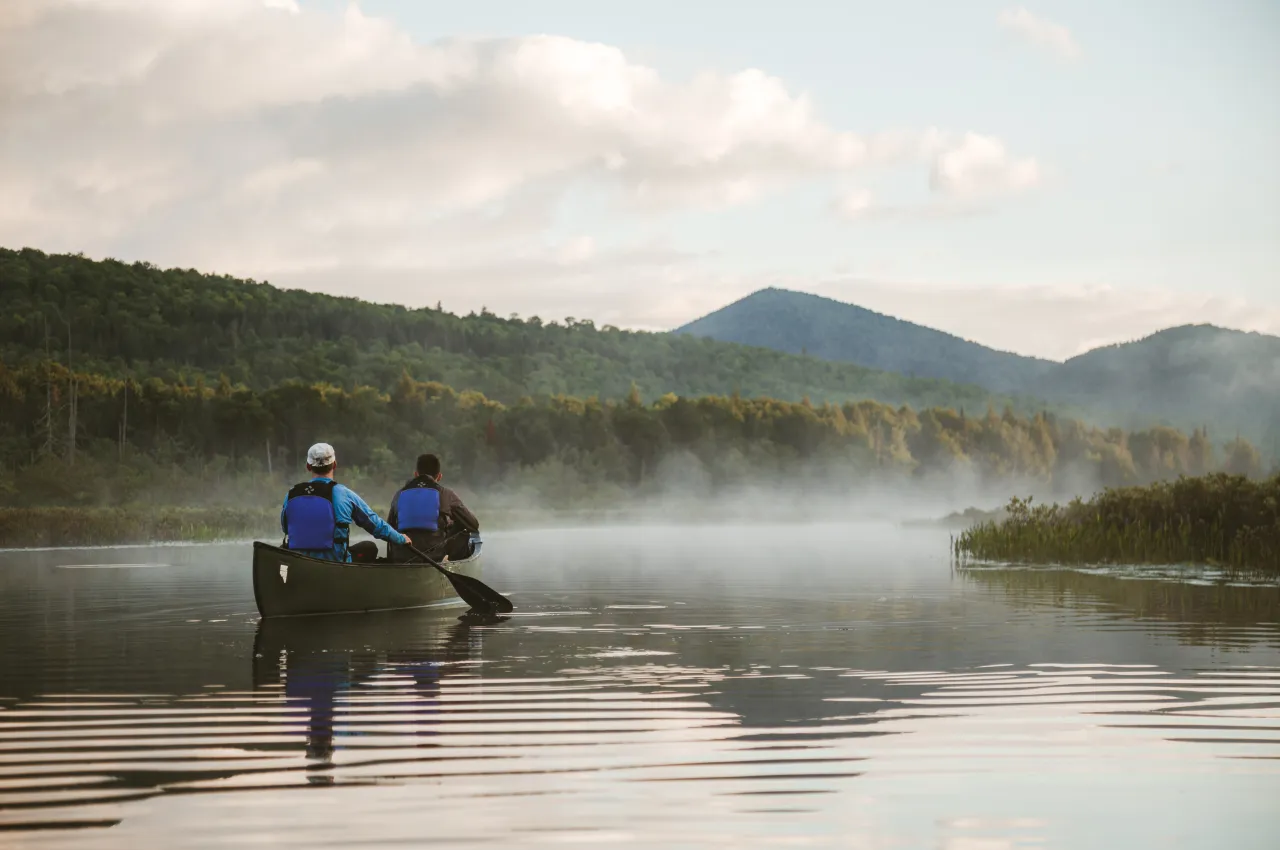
{"x":321,"y":454}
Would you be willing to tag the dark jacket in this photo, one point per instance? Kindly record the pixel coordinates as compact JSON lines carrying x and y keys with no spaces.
{"x":452,"y":511}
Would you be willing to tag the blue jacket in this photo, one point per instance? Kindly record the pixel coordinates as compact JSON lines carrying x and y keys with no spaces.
{"x":348,"y":508}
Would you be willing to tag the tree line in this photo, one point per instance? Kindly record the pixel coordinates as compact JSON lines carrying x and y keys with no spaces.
{"x":84,"y":438}
{"x":135,"y":320}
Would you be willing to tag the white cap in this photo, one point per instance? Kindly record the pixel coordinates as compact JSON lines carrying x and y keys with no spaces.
{"x":321,"y":454}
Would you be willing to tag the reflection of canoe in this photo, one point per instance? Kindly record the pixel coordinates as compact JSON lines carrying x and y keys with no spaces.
{"x":314,"y":661}
{"x":303,"y":643}
{"x":287,"y":584}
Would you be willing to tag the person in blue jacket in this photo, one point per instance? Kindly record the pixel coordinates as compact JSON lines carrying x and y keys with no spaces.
{"x":317,"y":514}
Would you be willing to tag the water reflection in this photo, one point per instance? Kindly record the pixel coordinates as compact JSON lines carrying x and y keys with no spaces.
{"x":1197,"y":607}
{"x":318,"y":661}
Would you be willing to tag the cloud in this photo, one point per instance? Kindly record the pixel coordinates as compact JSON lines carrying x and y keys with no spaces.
{"x":855,"y":203}
{"x":967,"y":173}
{"x":577,"y":250}
{"x":1040,"y":32}
{"x":255,"y":136}
{"x":980,"y":167}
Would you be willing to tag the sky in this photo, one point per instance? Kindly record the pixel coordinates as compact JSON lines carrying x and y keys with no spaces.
{"x":1042,"y":178}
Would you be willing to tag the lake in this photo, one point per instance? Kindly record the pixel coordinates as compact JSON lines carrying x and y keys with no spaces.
{"x":733,"y":686}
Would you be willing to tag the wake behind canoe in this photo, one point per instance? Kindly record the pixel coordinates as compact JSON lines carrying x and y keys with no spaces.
{"x":289,"y":584}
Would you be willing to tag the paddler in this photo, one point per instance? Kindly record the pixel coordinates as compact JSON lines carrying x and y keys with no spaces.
{"x":432,"y":512}
{"x":317,"y":514}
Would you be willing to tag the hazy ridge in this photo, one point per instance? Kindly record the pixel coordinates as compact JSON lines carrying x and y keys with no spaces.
{"x":1190,"y":376}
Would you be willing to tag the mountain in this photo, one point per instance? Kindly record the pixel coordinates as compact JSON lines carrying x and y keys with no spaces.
{"x":799,"y":323}
{"x":183,"y":326}
{"x":1189,"y":375}
{"x":1192,"y":376}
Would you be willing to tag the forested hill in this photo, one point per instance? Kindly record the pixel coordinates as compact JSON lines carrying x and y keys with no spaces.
{"x":1187,"y":377}
{"x":140,"y":321}
{"x":798,"y":322}
{"x":1193,"y":375}
{"x":1176,"y":371}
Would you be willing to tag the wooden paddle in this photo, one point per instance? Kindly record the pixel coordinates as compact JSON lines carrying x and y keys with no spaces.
{"x":474,"y":592}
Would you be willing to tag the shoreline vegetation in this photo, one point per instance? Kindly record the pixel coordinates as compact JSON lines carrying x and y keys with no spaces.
{"x":74,"y":438}
{"x":1216,"y":520}
{"x":188,"y":461}
{"x":62,"y":527}
{"x":40,"y":528}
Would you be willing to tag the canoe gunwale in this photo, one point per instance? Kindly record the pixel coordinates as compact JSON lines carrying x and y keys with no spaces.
{"x":380,"y":565}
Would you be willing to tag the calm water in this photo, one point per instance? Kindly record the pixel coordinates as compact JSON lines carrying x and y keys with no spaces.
{"x":728,"y":687}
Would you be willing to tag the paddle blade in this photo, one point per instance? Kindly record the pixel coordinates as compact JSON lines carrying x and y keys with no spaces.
{"x":479,"y":595}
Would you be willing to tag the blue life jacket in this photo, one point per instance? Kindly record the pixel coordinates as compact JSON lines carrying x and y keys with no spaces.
{"x":310,"y":517}
{"x":419,"y":506}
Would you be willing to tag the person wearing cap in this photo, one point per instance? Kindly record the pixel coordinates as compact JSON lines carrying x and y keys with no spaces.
{"x":317,"y":514}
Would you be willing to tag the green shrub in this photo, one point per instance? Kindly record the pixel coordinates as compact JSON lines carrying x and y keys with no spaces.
{"x":1222,"y":519}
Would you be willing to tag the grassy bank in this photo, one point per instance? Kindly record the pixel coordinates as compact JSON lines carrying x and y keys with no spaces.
{"x":47,"y":527}
{"x":1215,"y":519}
{"x":38,"y":527}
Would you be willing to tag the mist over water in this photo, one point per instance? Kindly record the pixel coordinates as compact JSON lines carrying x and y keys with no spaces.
{"x":743,"y":683}
{"x":682,"y":491}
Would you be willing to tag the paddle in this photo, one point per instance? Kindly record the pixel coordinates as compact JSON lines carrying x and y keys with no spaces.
{"x":474,"y":592}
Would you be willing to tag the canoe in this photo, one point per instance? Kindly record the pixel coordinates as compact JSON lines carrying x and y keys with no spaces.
{"x":290,"y":584}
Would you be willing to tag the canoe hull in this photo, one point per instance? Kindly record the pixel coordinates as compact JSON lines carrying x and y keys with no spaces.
{"x":288,"y":584}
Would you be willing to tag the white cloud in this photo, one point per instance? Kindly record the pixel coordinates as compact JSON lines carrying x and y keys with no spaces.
{"x":968,"y":171}
{"x":1040,"y":32}
{"x":577,"y":250}
{"x":855,"y":203}
{"x":253,"y":136}
{"x":979,"y":166}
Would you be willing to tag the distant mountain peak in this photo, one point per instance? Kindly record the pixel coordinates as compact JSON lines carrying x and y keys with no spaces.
{"x":1184,"y":375}
{"x":802,"y":322}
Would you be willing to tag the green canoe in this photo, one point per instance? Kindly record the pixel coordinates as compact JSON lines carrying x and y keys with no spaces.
{"x":289,"y":584}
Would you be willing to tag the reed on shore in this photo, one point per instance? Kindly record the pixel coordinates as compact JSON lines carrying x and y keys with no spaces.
{"x":23,"y":528}
{"x":1220,"y":519}
{"x":43,"y":527}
